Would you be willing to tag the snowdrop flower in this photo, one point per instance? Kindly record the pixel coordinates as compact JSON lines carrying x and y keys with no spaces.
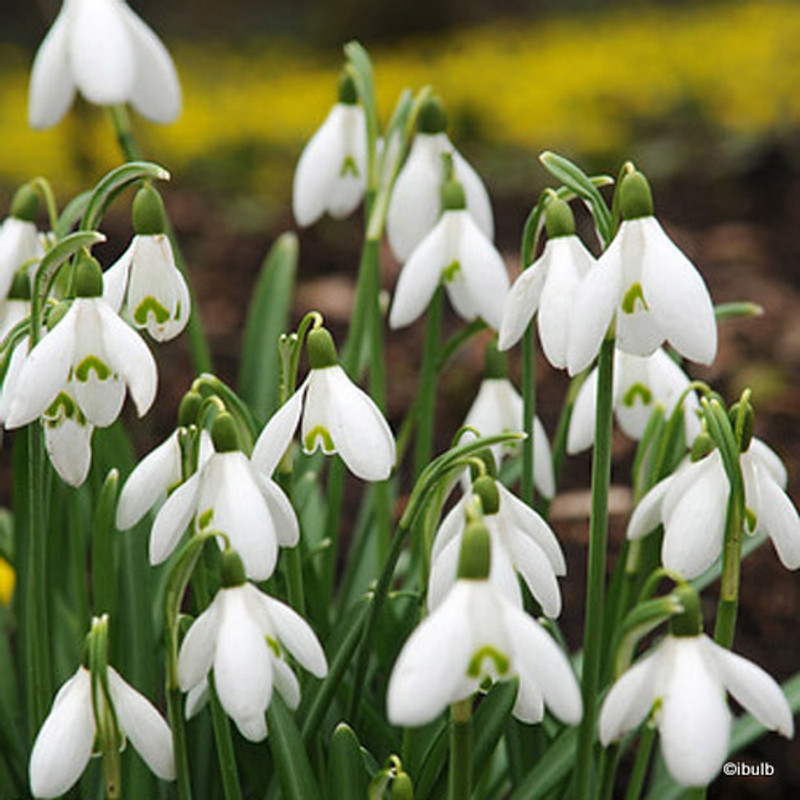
{"x":20,"y":241}
{"x":68,"y":439}
{"x":654,"y":290}
{"x":640,"y":383}
{"x":457,"y":254}
{"x":548,"y":286}
{"x":227,"y":495}
{"x":102,"y":49}
{"x":336,"y":415}
{"x":692,"y":506}
{"x":90,"y":354}
{"x":415,"y":207}
{"x":145,"y":277}
{"x":687,"y":675}
{"x":331,"y":174}
{"x":66,"y":740}
{"x":242,"y":636}
{"x":498,"y":408}
{"x":521,"y":542}
{"x":474,"y":634}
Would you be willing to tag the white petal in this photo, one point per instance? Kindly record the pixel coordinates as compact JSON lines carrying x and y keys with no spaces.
{"x":629,"y":700}
{"x":677,"y":296}
{"x":44,"y":373}
{"x":196,"y":699}
{"x":286,"y":683}
{"x":444,"y":572}
{"x":242,"y":670}
{"x":144,"y":726}
{"x":115,"y":278}
{"x":647,"y":515}
{"x":582,"y":422}
{"x":497,"y":408}
{"x":452,"y":526}
{"x":52,"y":89}
{"x":287,"y":528}
{"x":543,"y":475}
{"x":197,"y":648}
{"x":131,"y":357}
{"x":767,"y":458}
{"x":478,"y":203}
{"x":529,"y":705}
{"x":253,"y":728}
{"x":502,"y":574}
{"x":778,"y":518}
{"x":278,"y":432}
{"x":63,"y":745}
{"x":19,"y":244}
{"x":521,"y":303}
{"x":15,"y":365}
{"x":295,"y":634}
{"x":149,"y":482}
{"x":69,"y":445}
{"x":101,"y":52}
{"x":156,"y":91}
{"x":694,"y":721}
{"x":532,"y":563}
{"x":432,"y":663}
{"x":419,"y":278}
{"x":537,"y":651}
{"x":351,"y":177}
{"x":415,"y":206}
{"x":596,"y":300}
{"x":173,"y":519}
{"x":568,"y":262}
{"x":753,"y":689}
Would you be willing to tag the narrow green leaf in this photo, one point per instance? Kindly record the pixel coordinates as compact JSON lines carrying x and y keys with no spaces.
{"x":289,"y":753}
{"x":550,"y":771}
{"x":347,"y":776}
{"x":267,"y":319}
{"x":104,"y":568}
{"x":72,"y":213}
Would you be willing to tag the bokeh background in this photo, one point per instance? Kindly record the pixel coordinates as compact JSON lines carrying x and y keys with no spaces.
{"x":703,"y":96}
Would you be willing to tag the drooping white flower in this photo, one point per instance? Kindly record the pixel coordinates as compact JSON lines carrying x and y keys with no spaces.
{"x":522,"y":543}
{"x":242,"y":636}
{"x":20,"y":240}
{"x":457,"y":254}
{"x":640,"y":383}
{"x":655,"y":291}
{"x":547,"y":288}
{"x":336,"y":416}
{"x":102,"y":49}
{"x":227,"y":495}
{"x":92,"y":355}
{"x":331,"y":175}
{"x":65,"y":741}
{"x":692,"y":505}
{"x":68,"y":439}
{"x":415,"y":204}
{"x":498,"y":408}
{"x":474,"y":634}
{"x":688,"y":676}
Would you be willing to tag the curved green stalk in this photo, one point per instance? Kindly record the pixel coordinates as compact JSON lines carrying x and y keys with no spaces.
{"x":426,"y":393}
{"x":528,"y":492}
{"x":461,"y":750}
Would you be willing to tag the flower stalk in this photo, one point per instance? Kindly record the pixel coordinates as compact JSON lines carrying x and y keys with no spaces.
{"x":461,"y":750}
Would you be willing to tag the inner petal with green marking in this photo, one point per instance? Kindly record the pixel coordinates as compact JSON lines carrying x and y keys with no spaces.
{"x":450,"y":272}
{"x":322,"y":433}
{"x":349,"y":167}
{"x":637,"y":390}
{"x":633,"y":294}
{"x":499,"y":660}
{"x":147,"y":307}
{"x":92,"y":364}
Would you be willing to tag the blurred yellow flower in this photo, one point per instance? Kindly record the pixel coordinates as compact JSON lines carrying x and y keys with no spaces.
{"x":7,"y":580}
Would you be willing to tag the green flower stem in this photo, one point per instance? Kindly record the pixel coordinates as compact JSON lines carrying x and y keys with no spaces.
{"x":461,"y":750}
{"x":426,"y":392}
{"x":293,"y":558}
{"x":728,"y":605}
{"x":640,"y":765}
{"x":178,"y":727}
{"x":198,"y":344}
{"x":596,"y":572}
{"x":528,"y":493}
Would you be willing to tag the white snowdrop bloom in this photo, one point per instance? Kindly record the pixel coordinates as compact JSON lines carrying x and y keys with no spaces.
{"x":20,"y":240}
{"x":522,"y":543}
{"x":548,"y":287}
{"x":68,"y":439}
{"x":102,"y":49}
{"x":689,"y":676}
{"x":457,"y":254}
{"x":336,"y":415}
{"x":498,"y":408}
{"x":92,"y":354}
{"x":473,"y":634}
{"x":640,"y":383}
{"x":227,"y":495}
{"x":415,"y":204}
{"x":655,"y":292}
{"x":66,"y":739}
{"x":692,"y":505}
{"x":242,"y":636}
{"x":331,"y":175}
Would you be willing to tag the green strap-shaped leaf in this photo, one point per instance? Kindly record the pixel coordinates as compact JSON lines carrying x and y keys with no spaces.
{"x":289,"y":753}
{"x":347,"y":776}
{"x":267,"y":319}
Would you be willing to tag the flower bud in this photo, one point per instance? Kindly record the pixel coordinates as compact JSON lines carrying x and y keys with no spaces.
{"x":348,"y":93}
{"x":88,"y":276}
{"x":475,"y":558}
{"x":559,"y":220}
{"x":321,"y":349}
{"x":744,"y":429}
{"x":690,"y":621}
{"x":485,"y":488}
{"x":224,"y":433}
{"x":25,"y":205}
{"x":431,"y":118}
{"x":232,"y":570}
{"x":189,"y":408}
{"x":402,"y":787}
{"x":148,"y":214}
{"x":635,"y":197}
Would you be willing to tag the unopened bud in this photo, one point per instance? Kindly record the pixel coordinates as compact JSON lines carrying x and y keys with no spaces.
{"x":232,"y":569}
{"x":559,"y":220}
{"x":224,"y":433}
{"x":475,"y":558}
{"x":635,"y":197}
{"x":148,"y":214}
{"x":321,"y":349}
